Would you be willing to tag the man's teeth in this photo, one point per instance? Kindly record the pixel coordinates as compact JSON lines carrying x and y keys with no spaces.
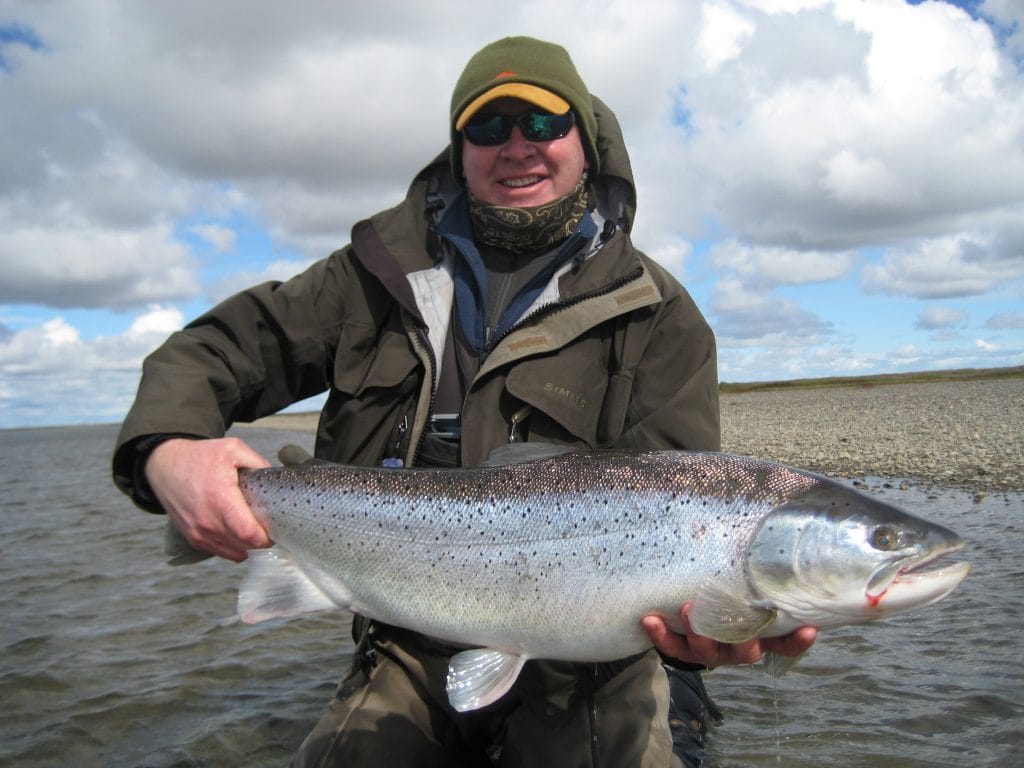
{"x":523,"y":181}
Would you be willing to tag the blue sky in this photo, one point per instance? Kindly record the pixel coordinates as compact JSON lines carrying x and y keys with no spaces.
{"x":839,"y":183}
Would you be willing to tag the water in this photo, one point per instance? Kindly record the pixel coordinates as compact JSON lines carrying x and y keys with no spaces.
{"x":108,"y":657}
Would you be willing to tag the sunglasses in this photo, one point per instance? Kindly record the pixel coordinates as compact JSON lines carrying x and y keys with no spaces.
{"x":492,"y":130}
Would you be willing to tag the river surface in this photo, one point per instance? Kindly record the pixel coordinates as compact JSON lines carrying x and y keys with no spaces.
{"x":110,"y":657}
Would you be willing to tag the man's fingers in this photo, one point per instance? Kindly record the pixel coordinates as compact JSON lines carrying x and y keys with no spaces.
{"x":668,"y":642}
{"x":695,"y":648}
{"x":196,"y":482}
{"x":793,"y":644}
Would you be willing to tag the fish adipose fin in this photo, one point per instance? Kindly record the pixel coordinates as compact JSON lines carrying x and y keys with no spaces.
{"x":275,"y":586}
{"x":727,"y":617}
{"x":480,"y":677}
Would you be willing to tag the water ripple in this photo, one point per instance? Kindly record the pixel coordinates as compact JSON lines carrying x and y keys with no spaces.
{"x":109,"y":657}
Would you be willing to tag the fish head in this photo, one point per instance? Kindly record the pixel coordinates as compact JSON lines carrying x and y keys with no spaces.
{"x":832,"y":556}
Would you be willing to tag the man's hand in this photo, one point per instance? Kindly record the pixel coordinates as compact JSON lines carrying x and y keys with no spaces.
{"x":697,"y":649}
{"x":196,"y":482}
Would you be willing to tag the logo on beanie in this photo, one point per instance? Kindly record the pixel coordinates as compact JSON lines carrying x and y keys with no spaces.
{"x":506,"y":73}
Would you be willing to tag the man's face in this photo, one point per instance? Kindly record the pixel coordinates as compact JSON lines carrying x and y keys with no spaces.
{"x":521,"y":173}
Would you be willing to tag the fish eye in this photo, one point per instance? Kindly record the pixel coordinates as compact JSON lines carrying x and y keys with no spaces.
{"x":885,"y":539}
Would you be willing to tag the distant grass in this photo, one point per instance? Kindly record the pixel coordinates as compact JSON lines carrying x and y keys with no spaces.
{"x":919,"y":377}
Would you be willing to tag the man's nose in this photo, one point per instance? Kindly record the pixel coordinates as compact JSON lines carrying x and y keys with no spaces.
{"x":517,"y":145}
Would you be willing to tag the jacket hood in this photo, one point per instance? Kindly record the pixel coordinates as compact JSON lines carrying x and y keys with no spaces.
{"x":613,"y":189}
{"x":390,"y":244}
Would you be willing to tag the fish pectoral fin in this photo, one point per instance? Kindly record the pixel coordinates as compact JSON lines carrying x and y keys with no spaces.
{"x":481,"y":676}
{"x":727,"y":617}
{"x":777,"y":665}
{"x":275,"y":586}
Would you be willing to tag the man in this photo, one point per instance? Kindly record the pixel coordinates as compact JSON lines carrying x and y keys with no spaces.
{"x":501,"y":301}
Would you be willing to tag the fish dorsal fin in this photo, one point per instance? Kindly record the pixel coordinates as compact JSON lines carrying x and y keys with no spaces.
{"x":727,"y":617}
{"x":517,"y":453}
{"x":275,"y":586}
{"x":481,"y":676}
{"x":292,"y":455}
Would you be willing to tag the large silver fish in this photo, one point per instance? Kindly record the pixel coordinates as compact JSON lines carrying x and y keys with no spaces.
{"x":560,"y":558}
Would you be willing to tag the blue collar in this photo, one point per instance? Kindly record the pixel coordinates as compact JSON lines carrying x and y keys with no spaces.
{"x":470,"y":275}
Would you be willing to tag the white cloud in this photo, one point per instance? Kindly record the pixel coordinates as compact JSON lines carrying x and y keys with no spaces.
{"x":905,"y":356}
{"x":222,"y":239}
{"x":672,"y":254}
{"x":918,"y":127}
{"x":275,"y":271}
{"x":723,"y":34}
{"x":855,"y":180}
{"x":816,"y":124}
{"x":940,"y":318}
{"x":791,"y":140}
{"x":41,"y":348}
{"x":1009,"y":15}
{"x":50,"y":374}
{"x":794,"y":362}
{"x":985,"y":346}
{"x":770,"y":266}
{"x":963,"y":265}
{"x":1006,"y":321}
{"x":156,"y":322}
{"x":744,"y":318}
{"x":83,"y":264}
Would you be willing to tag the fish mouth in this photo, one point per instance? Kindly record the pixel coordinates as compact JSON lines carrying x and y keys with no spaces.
{"x":912,"y":585}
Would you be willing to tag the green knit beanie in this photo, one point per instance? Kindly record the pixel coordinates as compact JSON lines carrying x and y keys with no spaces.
{"x":524,"y":68}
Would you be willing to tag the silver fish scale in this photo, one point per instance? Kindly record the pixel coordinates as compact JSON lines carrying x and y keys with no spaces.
{"x":557,"y":558}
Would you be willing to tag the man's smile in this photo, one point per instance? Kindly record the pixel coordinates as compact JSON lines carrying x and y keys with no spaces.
{"x":521,"y":181}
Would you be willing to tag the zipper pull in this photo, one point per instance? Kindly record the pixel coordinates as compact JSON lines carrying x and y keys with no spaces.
{"x":518,"y":418}
{"x":395,"y":460}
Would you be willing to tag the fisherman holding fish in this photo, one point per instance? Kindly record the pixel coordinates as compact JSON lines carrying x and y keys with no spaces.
{"x":502,"y":302}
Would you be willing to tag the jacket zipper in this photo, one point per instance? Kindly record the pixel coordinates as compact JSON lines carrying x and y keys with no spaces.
{"x":558,"y":306}
{"x":420,"y":341}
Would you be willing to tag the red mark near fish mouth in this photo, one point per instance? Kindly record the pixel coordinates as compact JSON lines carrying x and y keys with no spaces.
{"x":874,"y":600}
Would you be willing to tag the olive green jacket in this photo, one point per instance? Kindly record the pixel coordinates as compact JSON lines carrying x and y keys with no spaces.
{"x":614,"y":353}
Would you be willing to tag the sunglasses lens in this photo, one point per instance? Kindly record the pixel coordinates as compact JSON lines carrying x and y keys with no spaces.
{"x":492,"y":130}
{"x":541,"y":127}
{"x":488,"y":131}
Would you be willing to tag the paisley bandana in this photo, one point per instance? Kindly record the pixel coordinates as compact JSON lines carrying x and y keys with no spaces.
{"x":522,"y":230}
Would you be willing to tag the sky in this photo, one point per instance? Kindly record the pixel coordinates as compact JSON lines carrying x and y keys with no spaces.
{"x":838,"y":183}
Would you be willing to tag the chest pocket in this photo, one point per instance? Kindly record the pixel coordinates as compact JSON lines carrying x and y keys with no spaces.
{"x":576,"y":390}
{"x":370,"y":360}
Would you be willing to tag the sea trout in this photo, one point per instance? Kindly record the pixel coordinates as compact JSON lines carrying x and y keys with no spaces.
{"x":559,"y":558}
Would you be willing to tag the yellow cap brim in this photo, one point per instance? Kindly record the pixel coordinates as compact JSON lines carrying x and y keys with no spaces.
{"x":539,"y":97}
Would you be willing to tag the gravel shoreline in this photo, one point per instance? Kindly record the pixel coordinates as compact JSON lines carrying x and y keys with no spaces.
{"x":967,"y":434}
